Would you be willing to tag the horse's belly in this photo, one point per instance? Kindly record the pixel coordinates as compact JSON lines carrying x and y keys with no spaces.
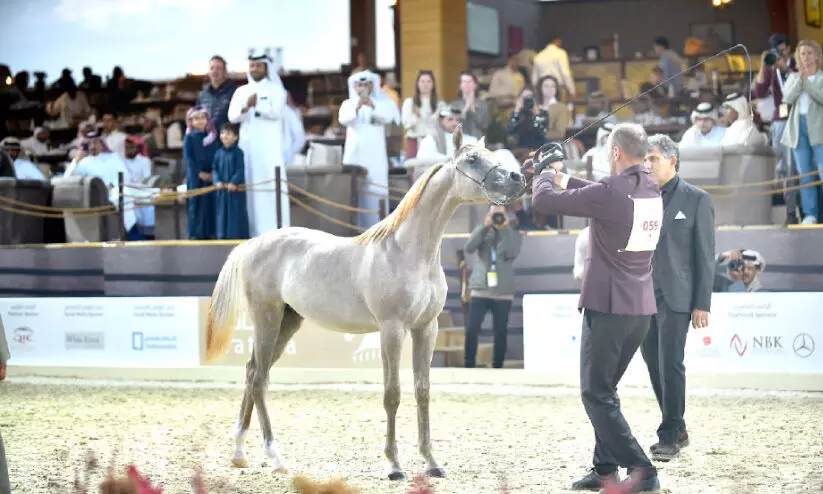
{"x":335,"y":313}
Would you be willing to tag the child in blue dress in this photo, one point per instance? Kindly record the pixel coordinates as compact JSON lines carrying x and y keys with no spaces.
{"x":199,"y":147}
{"x":229,"y":173}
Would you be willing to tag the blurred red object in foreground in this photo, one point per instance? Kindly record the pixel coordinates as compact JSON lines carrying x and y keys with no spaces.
{"x":625,"y":487}
{"x":143,"y":485}
{"x":420,"y":485}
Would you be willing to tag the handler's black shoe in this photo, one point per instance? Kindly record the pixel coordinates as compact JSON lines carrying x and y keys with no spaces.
{"x":593,"y":481}
{"x":632,"y":485}
{"x":682,"y":442}
{"x":665,"y":452}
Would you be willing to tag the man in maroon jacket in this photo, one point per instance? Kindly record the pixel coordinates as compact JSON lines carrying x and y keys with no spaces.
{"x":626,"y":214}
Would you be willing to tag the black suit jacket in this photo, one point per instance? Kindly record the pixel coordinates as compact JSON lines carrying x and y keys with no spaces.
{"x":684,"y":263}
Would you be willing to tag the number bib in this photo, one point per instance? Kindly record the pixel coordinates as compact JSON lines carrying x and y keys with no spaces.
{"x":648,"y":218}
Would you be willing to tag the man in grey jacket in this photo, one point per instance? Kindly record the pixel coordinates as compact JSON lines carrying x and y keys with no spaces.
{"x":684,"y":268}
{"x":496,"y":245}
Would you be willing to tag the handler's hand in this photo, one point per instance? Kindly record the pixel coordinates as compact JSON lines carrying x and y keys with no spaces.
{"x":700,"y":319}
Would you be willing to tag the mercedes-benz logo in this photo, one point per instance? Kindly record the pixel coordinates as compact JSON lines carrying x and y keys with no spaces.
{"x":803,"y":345}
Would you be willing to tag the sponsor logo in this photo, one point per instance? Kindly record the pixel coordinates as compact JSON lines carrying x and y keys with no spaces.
{"x":803,"y":345}
{"x":759,"y":345}
{"x":707,"y":348}
{"x":141,"y":342}
{"x":85,"y":341}
{"x":22,"y":339}
{"x":738,"y":345}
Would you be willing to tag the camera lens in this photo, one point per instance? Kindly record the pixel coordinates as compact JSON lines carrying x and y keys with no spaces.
{"x":498,"y":218}
{"x":770,"y":58}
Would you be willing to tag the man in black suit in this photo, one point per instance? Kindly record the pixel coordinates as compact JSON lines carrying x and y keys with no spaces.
{"x":683,"y":277}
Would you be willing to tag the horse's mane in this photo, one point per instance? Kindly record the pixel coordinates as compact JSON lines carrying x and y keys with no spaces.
{"x":388,"y":225}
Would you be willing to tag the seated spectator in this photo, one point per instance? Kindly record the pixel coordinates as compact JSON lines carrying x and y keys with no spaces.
{"x":38,"y":143}
{"x":741,"y":128}
{"x":23,"y":168}
{"x":139,"y":166}
{"x":547,"y":97}
{"x":704,"y":130}
{"x":744,"y":269}
{"x":507,"y":83}
{"x":90,"y":80}
{"x":115,"y":139}
{"x":6,"y":165}
{"x":153,"y":133}
{"x":529,"y":123}
{"x":76,"y":144}
{"x":599,"y":155}
{"x":71,"y":107}
{"x":661,"y":94}
{"x":95,"y":159}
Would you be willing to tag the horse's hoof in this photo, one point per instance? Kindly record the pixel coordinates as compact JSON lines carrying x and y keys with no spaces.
{"x":240,"y":462}
{"x":281,"y":470}
{"x":437,"y":473}
{"x":397,"y":476}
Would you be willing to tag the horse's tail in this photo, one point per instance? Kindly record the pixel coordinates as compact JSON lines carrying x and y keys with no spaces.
{"x":228,"y":302}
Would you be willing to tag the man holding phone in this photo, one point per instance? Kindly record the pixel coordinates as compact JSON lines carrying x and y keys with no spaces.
{"x":496,"y":244}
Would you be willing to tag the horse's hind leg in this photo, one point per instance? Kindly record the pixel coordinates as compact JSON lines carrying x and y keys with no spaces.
{"x":267,"y":322}
{"x":423,"y":341}
{"x":239,"y":458}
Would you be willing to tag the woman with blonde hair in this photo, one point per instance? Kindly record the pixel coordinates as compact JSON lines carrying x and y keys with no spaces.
{"x":804,"y":130}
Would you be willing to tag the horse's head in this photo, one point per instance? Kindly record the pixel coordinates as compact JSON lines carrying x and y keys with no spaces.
{"x":480,"y":175}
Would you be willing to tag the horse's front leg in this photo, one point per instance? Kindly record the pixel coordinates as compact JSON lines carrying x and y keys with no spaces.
{"x":391,"y":343}
{"x":423,"y":341}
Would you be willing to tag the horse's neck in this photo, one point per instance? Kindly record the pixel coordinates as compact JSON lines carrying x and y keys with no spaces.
{"x":424,"y":228}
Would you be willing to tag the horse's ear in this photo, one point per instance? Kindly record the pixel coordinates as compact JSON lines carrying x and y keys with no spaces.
{"x":482,"y":143}
{"x":457,"y":139}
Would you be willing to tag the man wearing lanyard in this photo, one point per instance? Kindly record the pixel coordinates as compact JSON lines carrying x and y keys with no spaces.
{"x":496,"y":244}
{"x":775,"y":66}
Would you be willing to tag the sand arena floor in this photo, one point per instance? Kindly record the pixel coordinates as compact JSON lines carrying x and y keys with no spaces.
{"x":742,"y":442}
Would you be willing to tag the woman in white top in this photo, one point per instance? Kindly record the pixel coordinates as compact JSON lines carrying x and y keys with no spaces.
{"x":804,"y":130}
{"x":419,"y":112}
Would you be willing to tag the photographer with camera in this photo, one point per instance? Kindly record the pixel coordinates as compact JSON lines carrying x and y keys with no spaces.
{"x":744,"y":268}
{"x":529,"y":123}
{"x":776,"y":64}
{"x":497,"y":244}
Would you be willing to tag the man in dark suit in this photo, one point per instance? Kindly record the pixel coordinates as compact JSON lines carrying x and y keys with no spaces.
{"x":617,"y":294}
{"x":684,"y":268}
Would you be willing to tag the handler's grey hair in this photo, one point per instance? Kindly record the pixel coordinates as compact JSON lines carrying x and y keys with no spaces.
{"x":630,"y":138}
{"x":667,"y":147}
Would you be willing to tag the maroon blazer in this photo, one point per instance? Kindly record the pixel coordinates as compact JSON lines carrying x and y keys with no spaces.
{"x":624,"y":207}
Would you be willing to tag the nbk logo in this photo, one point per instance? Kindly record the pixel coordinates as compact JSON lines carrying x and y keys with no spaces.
{"x":738,"y":345}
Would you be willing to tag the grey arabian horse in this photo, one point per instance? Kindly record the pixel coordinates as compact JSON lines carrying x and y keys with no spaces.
{"x":388,"y":279}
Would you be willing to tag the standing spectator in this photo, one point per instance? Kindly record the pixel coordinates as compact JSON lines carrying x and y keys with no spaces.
{"x":553,"y":60}
{"x":683,"y":279}
{"x":115,"y":138}
{"x":365,"y":114}
{"x":507,"y":83}
{"x":229,"y":175}
{"x":497,"y":245}
{"x":475,"y":112}
{"x":529,"y":123}
{"x":547,"y":99}
{"x":199,"y":147}
{"x":419,"y":113}
{"x":771,"y":79}
{"x":139,"y":165}
{"x":216,"y":94}
{"x":670,"y":62}
{"x":71,"y":107}
{"x":294,"y":133}
{"x":258,"y":107}
{"x":90,"y":80}
{"x":804,"y":130}
{"x":153,"y":133}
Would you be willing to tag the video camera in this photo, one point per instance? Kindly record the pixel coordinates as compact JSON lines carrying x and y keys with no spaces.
{"x":528,"y":104}
{"x":498,"y":218}
{"x":772,"y":54}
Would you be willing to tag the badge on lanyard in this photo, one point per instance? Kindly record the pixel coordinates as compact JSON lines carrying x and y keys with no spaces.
{"x":783,"y":111}
{"x":491,"y":275}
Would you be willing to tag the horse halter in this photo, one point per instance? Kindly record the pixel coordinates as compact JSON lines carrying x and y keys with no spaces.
{"x":507,"y":197}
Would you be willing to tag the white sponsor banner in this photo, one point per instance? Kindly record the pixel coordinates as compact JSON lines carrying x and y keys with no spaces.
{"x":102,"y":331}
{"x":765,"y":332}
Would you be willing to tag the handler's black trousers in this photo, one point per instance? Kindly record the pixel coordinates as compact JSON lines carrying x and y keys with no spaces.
{"x":663,"y":350}
{"x":607,"y":345}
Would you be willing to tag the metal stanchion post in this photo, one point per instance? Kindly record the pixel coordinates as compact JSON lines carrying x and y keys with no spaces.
{"x":462,"y":270}
{"x":277,"y":191}
{"x":121,"y":227}
{"x":383,"y":207}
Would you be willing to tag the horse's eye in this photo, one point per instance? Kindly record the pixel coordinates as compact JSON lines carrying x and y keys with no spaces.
{"x":471,"y":158}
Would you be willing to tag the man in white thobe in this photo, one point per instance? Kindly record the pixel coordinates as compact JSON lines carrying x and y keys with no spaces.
{"x":259,"y":108}
{"x":704,"y":130}
{"x":599,"y":154}
{"x":23,"y":168}
{"x":294,"y":134}
{"x":365,"y":115}
{"x":741,"y":129}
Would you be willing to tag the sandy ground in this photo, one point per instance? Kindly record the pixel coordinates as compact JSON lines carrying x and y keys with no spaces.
{"x":745,"y":442}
